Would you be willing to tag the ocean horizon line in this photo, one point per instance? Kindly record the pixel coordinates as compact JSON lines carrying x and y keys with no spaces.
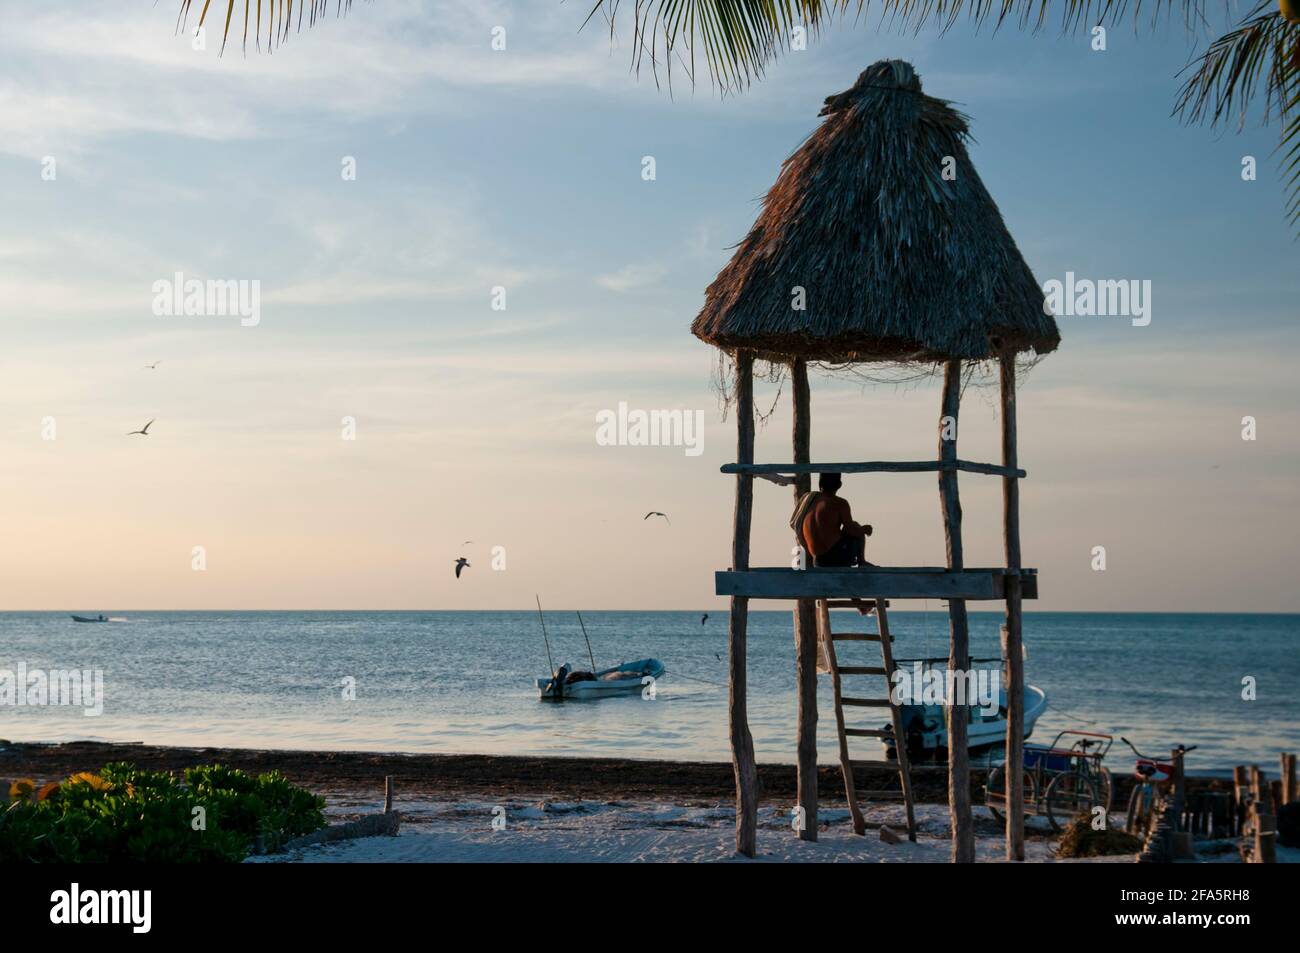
{"x":533,"y":611}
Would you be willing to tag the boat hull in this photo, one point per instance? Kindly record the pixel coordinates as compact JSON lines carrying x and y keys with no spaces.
{"x":930,"y":738}
{"x":640,"y":676}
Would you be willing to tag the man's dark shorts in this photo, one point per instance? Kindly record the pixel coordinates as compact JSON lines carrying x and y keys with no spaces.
{"x":847,"y":552}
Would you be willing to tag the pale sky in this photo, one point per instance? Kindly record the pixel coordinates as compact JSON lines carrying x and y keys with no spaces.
{"x":522,"y":168}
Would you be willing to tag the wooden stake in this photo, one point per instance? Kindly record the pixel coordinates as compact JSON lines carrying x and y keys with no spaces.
{"x":1178,"y":784}
{"x":742,"y":742}
{"x":805,"y":623}
{"x":963,"y":833}
{"x":1289,"y":793}
{"x":1239,"y":787}
{"x":1265,"y":839}
{"x":388,"y":793}
{"x":1015,"y":658}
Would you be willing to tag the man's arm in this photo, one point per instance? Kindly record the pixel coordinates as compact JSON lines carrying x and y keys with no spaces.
{"x":849,"y":527}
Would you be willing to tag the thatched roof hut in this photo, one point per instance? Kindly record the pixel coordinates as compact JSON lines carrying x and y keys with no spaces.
{"x":898,"y":261}
{"x":879,"y":226}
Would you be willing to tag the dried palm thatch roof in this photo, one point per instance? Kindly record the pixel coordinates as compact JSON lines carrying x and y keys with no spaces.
{"x":897,"y":262}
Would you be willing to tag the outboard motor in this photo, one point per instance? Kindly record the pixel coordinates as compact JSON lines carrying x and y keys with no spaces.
{"x":915,"y":742}
{"x":555,"y":687}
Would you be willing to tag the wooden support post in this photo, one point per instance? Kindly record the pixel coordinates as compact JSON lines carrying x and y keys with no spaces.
{"x":1015,"y":656}
{"x":805,"y":625}
{"x":388,"y":793}
{"x":963,"y":833}
{"x":742,"y":743}
{"x":1289,"y":793}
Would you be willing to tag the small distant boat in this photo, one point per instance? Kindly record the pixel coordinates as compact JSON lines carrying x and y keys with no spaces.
{"x":628,"y":678}
{"x":82,"y":618}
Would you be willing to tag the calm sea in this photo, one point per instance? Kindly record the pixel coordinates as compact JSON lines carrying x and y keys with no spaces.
{"x":463,"y":681}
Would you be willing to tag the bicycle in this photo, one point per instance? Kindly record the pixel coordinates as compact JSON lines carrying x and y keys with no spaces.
{"x":1150,"y":777}
{"x":1059,"y":782}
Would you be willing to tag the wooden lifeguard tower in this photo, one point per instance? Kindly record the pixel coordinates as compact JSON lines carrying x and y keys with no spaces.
{"x":878,"y":243}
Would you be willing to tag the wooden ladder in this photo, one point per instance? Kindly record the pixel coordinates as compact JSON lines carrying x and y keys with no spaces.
{"x":881,"y":635}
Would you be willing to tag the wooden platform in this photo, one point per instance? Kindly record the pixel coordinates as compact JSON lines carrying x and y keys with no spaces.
{"x":877,"y":581}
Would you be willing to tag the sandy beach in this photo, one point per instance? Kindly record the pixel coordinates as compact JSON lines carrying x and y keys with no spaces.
{"x":495,"y":809}
{"x":644,"y":831}
{"x":517,"y":830}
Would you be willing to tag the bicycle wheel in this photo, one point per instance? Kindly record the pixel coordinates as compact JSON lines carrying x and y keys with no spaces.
{"x":1068,"y":796}
{"x":1139,"y":811}
{"x":995,"y":793}
{"x":1105,"y":789}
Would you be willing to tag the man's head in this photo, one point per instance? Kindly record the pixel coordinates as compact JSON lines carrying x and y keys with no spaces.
{"x":829,"y":482}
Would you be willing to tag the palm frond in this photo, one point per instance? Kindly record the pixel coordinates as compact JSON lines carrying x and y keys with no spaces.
{"x":1225,"y":79}
{"x":279,"y":18}
{"x":737,"y":39}
{"x":1259,"y":60}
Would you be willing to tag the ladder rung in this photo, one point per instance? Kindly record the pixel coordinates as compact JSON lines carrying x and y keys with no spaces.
{"x":861,"y":670}
{"x":869,"y":733}
{"x":859,"y":763}
{"x":866,"y":702}
{"x":857,"y":637}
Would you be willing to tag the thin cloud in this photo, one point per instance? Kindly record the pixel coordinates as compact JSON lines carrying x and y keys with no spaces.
{"x":632,"y":277}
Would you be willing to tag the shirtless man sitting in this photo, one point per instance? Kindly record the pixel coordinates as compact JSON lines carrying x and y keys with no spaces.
{"x":828,"y":531}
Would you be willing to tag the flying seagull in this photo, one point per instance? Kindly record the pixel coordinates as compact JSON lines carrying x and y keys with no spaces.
{"x":144,"y":431}
{"x":705,"y":619}
{"x":467,"y":542}
{"x":461,"y":563}
{"x":657,"y":513}
{"x":153,"y":366}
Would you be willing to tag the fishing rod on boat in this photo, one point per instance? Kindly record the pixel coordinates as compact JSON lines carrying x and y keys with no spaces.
{"x":591,"y":654}
{"x":549,"y":662}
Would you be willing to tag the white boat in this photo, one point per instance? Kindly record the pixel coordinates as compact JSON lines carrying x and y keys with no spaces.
{"x":625,"y":679}
{"x":927,"y":733}
{"x":82,"y":618}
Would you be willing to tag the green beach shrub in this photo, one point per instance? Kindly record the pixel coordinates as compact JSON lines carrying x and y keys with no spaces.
{"x":126,"y":814}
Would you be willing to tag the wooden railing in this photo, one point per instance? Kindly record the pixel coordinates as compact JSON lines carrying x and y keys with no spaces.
{"x":874,"y":466}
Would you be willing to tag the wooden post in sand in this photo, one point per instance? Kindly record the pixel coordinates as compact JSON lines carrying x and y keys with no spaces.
{"x":1265,"y":839}
{"x":742,"y":743}
{"x":1261,"y":822}
{"x":1258,"y":787}
{"x":805,"y":623}
{"x":1288,"y":780}
{"x":1015,"y":656}
{"x":1239,"y":788}
{"x":388,"y":793}
{"x":1178,"y":784}
{"x":963,"y":834}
